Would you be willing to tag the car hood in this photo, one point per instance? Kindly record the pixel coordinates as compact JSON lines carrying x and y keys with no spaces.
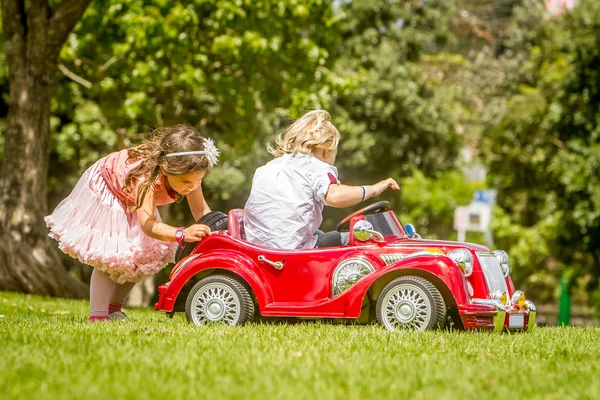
{"x":444,"y":245}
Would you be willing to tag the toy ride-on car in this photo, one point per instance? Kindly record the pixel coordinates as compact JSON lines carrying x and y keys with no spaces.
{"x":386,"y":273}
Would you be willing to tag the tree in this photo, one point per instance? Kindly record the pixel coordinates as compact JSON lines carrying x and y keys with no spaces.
{"x":233,"y":69}
{"x":544,"y":147}
{"x":393,"y":114}
{"x":34,"y":33}
{"x":392,"y":119}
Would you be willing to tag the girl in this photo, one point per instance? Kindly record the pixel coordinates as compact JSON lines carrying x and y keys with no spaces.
{"x":288,"y":194}
{"x":110,"y":220}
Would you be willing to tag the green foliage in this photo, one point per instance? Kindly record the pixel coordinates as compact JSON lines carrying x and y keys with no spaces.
{"x":391,"y":113}
{"x":233,"y":69}
{"x":533,"y":265}
{"x":240,"y":70}
{"x":429,"y":203}
{"x":544,"y":153}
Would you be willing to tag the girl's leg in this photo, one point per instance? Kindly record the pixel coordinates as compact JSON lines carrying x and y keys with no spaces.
{"x":101,"y":290}
{"x":119,"y":295}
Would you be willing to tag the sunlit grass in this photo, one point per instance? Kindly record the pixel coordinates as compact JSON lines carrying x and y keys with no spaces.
{"x":49,"y":351}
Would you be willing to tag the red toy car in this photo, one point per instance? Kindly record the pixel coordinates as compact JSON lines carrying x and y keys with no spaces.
{"x":387,"y":273}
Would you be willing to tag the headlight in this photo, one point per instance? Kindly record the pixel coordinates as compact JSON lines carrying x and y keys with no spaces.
{"x":501,"y":296}
{"x":503,"y":260}
{"x":518,"y":299}
{"x":464,"y":259}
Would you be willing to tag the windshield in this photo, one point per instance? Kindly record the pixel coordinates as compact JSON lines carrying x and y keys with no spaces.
{"x":384,"y":223}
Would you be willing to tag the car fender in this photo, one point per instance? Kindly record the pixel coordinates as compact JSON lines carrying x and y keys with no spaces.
{"x":439,"y":270}
{"x":226,"y":260}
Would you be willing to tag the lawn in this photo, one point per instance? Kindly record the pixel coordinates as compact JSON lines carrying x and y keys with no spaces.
{"x":49,"y":351}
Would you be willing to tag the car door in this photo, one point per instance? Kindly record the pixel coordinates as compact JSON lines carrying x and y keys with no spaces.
{"x":305,"y":276}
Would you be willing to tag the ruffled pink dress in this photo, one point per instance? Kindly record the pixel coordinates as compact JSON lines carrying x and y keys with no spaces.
{"x":96,"y":225}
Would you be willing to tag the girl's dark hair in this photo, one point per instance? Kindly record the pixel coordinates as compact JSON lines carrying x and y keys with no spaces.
{"x":152,"y":151}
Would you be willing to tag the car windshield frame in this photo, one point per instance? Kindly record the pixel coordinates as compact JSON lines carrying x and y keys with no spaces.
{"x":386,"y":223}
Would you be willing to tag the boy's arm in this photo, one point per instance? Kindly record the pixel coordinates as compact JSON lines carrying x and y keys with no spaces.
{"x":340,"y":196}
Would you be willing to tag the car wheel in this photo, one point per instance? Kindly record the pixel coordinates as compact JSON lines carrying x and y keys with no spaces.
{"x":219,"y":299}
{"x":215,"y":220}
{"x":411,"y":302}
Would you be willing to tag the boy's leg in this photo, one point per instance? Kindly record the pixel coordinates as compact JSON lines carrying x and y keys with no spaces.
{"x":101,"y":290}
{"x":329,"y":239}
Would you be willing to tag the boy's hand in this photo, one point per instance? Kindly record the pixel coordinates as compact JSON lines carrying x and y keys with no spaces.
{"x":196,"y":232}
{"x":379,"y":187}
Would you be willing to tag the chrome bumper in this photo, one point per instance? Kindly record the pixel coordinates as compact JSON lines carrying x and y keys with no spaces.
{"x":500,"y":317}
{"x":532,"y":313}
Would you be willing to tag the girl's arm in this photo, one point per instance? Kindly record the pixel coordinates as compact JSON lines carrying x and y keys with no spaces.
{"x":341,"y":196}
{"x":198,"y":205}
{"x":161,"y":231}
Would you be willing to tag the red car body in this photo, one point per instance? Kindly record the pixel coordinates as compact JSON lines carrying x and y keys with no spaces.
{"x":305,"y":285}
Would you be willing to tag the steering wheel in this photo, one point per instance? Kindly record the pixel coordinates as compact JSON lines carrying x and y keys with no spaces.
{"x":380,"y":206}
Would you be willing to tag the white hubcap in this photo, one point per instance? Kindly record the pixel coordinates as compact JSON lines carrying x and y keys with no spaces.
{"x":406,"y":306}
{"x":215,"y":303}
{"x":405,"y":311}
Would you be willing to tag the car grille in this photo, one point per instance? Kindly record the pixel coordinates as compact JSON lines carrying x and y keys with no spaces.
{"x":392,"y":258}
{"x":492,"y":272}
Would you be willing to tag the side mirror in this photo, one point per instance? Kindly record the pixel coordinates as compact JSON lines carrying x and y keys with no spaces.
{"x":411,"y":231}
{"x":363,"y":231}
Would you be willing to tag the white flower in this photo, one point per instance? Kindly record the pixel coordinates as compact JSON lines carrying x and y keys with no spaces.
{"x":212,"y":153}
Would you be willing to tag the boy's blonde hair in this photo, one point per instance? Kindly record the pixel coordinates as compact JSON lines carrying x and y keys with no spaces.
{"x":313,"y":130}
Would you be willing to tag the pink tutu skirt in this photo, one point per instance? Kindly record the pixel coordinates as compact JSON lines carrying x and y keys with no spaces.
{"x":93,"y":226}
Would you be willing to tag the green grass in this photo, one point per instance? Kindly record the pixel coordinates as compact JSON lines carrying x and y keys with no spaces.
{"x":49,"y":351}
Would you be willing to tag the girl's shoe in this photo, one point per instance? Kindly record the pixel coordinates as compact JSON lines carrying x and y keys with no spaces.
{"x":118,"y":316}
{"x":98,"y":318}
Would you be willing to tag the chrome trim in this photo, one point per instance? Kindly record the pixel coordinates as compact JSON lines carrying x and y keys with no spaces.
{"x":470,"y":288}
{"x":500,"y":316}
{"x":530,"y":306}
{"x":425,"y":252}
{"x":497,"y":295}
{"x":278,"y":265}
{"x":363,"y":231}
{"x":185,"y":262}
{"x":347,"y":273}
{"x":532,"y":315}
{"x":490,"y":302}
{"x":501,"y":256}
{"x":488,"y":263}
{"x":392,"y":258}
{"x":463,"y":258}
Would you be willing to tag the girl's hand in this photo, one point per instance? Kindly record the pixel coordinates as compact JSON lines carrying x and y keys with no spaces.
{"x":196,"y":232}
{"x":379,"y":187}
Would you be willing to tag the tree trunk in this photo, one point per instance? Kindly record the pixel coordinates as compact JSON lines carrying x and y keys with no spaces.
{"x":34,"y":34}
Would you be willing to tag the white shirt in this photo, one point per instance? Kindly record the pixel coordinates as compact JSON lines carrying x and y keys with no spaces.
{"x":285,"y":206}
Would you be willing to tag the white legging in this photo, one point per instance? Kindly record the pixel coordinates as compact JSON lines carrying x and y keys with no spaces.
{"x":104,"y":291}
